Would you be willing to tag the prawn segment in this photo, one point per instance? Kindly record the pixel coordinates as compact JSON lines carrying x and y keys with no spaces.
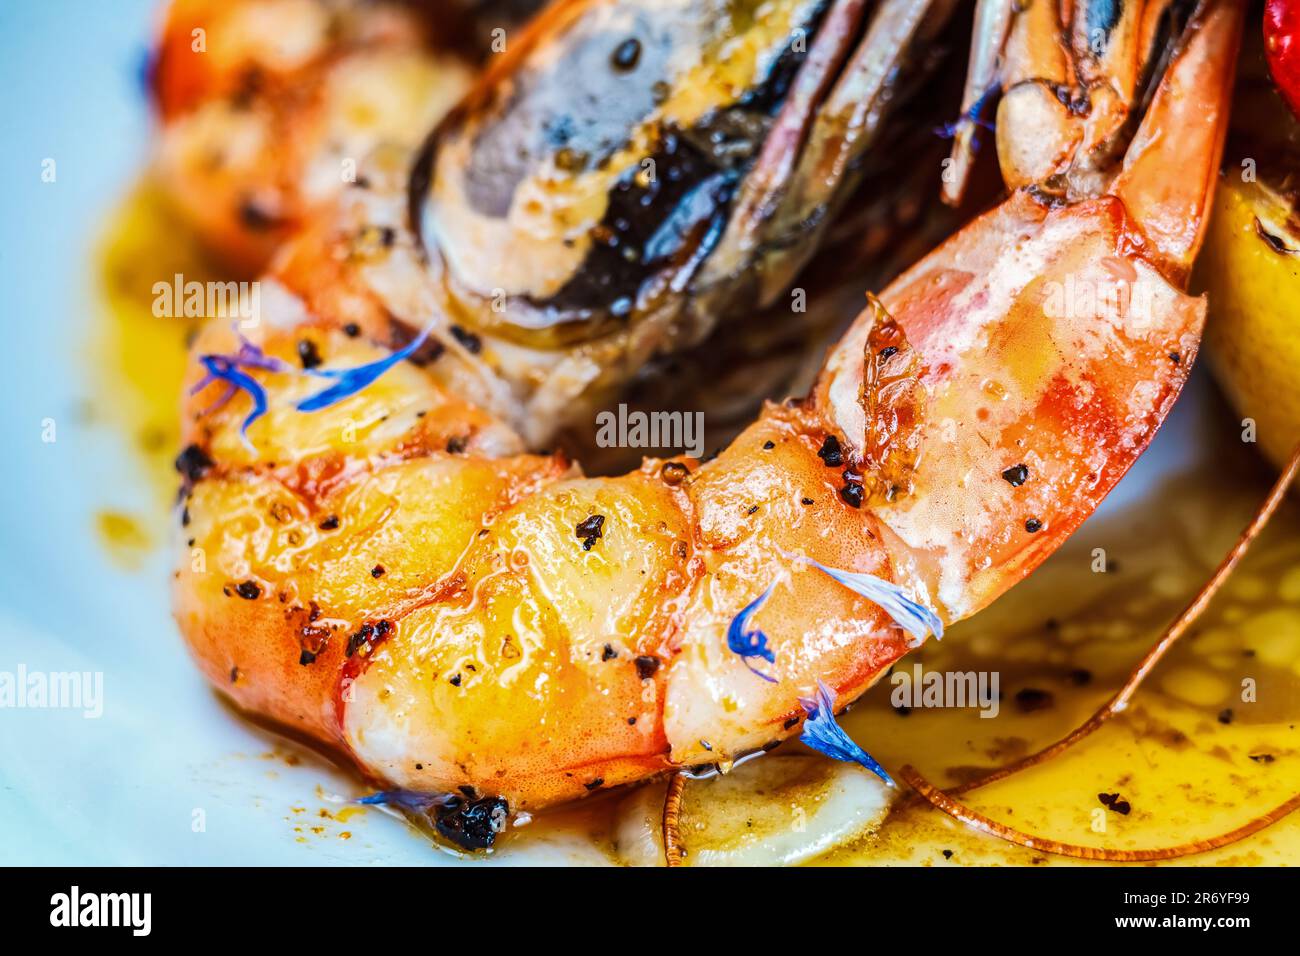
{"x":276,"y":582}
{"x":1052,"y":343}
{"x":537,"y":675}
{"x":326,"y":524}
{"x":755,"y":505}
{"x":406,"y":412}
{"x":267,"y":107}
{"x":1184,"y":130}
{"x":1066,"y":333}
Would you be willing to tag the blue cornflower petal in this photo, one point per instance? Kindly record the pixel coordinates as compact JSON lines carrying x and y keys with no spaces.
{"x":751,"y":643}
{"x":227,"y":368}
{"x":353,"y":380}
{"x":404,"y":799}
{"x":973,"y":115}
{"x":252,"y":356}
{"x":916,"y":619}
{"x":223,"y":368}
{"x":823,"y":734}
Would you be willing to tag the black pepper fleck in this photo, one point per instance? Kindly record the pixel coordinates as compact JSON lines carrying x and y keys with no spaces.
{"x":248,"y":590}
{"x":589,"y":531}
{"x":831,"y":453}
{"x":360,"y":639}
{"x":1016,"y":475}
{"x":329,"y":523}
{"x":254,"y":216}
{"x":646,"y":666}
{"x":308,"y":354}
{"x":1115,"y":802}
{"x":193,"y":463}
{"x":468,"y":340}
{"x":1031,"y":699}
{"x":1033,"y":526}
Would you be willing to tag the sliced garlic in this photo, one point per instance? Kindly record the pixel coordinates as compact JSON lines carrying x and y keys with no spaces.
{"x":777,"y":810}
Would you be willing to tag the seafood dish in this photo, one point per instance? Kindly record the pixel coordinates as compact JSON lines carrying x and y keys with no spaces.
{"x":583,"y":404}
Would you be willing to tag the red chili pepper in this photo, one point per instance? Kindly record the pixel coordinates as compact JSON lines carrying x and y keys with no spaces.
{"x":1282,"y":47}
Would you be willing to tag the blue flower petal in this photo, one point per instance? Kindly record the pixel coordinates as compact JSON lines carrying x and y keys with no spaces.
{"x":916,"y":619}
{"x":353,"y":380}
{"x":823,"y":734}
{"x":403,"y":799}
{"x":223,"y":368}
{"x":753,"y":643}
{"x":949,"y":130}
{"x":228,"y":368}
{"x":252,"y":356}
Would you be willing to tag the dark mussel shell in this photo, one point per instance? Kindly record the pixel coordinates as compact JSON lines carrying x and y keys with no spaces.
{"x":593,"y":169}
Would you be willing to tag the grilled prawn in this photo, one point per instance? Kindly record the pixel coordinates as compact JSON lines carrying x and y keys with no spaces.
{"x":391,"y":572}
{"x":268,"y":107}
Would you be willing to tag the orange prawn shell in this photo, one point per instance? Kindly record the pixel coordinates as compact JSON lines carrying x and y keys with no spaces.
{"x":540,"y":676}
{"x":357,"y":526}
{"x":262,"y":103}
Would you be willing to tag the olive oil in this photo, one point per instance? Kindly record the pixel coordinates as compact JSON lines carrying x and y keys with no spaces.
{"x":138,"y":356}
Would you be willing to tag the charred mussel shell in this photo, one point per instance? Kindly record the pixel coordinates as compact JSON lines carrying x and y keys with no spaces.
{"x":593,"y":168}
